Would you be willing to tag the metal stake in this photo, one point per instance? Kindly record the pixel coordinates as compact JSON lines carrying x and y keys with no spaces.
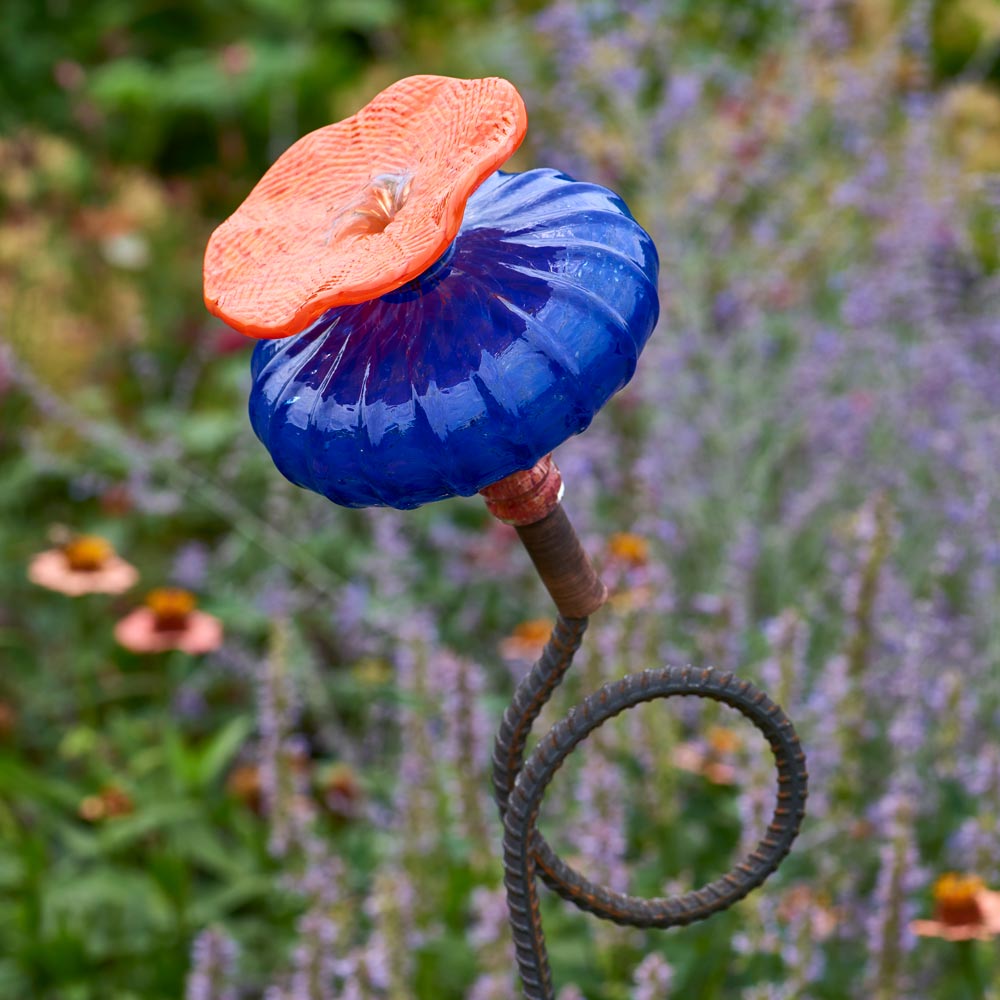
{"x":530,"y":500}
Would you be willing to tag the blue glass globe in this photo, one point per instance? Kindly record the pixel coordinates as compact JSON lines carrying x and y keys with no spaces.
{"x":508,"y":345}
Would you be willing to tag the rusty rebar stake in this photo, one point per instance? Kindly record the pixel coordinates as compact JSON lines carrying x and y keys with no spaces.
{"x":530,"y":501}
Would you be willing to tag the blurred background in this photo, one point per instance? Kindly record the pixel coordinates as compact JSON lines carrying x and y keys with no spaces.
{"x":801,"y":482}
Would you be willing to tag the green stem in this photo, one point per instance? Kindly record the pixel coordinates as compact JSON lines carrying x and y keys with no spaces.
{"x":968,"y":966}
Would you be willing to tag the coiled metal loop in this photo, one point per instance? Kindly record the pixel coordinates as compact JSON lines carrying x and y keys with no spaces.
{"x":519,"y":786}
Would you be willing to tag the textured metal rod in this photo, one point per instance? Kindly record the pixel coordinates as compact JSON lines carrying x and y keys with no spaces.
{"x":530,"y":500}
{"x":519,"y":786}
{"x":564,"y":567}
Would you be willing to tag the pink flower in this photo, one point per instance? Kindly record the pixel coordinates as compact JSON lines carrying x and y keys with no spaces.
{"x":85,"y":565}
{"x":964,"y":910}
{"x":169,"y":620}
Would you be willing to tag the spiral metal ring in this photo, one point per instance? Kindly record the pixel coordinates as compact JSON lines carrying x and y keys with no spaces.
{"x":519,"y":786}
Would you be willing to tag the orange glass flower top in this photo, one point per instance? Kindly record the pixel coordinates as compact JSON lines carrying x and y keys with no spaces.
{"x":358,"y":208}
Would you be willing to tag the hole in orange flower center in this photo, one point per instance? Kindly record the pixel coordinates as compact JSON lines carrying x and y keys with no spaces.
{"x":380,"y":203}
{"x":956,"y":900}
{"x":87,"y":553}
{"x":171,"y":607}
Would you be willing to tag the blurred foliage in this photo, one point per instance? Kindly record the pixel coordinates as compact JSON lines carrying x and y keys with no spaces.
{"x":966,"y":37}
{"x":193,"y":84}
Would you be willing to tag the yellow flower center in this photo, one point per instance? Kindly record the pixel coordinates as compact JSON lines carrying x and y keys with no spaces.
{"x":88,"y":553}
{"x":171,"y":607}
{"x":955,"y":899}
{"x":629,"y":548}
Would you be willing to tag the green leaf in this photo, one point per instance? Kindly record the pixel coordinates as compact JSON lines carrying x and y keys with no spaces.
{"x":154,"y":818}
{"x":222,"y":748}
{"x":16,"y":780}
{"x":213,"y":906}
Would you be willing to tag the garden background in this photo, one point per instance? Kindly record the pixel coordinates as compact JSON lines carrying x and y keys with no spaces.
{"x":802,"y":482}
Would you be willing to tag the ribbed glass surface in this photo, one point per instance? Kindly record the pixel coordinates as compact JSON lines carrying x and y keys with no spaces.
{"x":499,"y":352}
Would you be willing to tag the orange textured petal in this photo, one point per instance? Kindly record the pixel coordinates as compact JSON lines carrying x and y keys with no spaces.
{"x":358,"y":208}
